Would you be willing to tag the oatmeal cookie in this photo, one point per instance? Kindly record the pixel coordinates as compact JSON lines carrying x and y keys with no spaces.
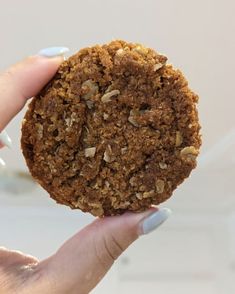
{"x":116,"y":129}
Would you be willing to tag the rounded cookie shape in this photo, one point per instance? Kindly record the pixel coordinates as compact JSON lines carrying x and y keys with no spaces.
{"x":116,"y":129}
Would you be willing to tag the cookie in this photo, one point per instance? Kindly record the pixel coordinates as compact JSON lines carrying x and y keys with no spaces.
{"x":115,"y":130}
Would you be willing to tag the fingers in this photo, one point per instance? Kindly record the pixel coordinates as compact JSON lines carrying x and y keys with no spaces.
{"x":25,"y":80}
{"x":84,"y":259}
{"x":21,"y":82}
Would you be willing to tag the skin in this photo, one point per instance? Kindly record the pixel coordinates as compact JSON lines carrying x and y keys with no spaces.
{"x":83,"y":260}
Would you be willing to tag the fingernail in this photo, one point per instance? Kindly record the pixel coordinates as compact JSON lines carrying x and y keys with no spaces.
{"x":154,"y":220}
{"x":2,"y":163}
{"x":5,"y":139}
{"x":53,"y":51}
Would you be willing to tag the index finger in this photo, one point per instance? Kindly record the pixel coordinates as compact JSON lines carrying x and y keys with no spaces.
{"x":23,"y":81}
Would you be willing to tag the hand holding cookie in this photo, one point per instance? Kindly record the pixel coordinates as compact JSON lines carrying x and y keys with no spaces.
{"x":92,"y":251}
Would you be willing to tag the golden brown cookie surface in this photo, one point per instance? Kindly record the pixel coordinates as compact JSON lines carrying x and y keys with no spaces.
{"x":115,"y":130}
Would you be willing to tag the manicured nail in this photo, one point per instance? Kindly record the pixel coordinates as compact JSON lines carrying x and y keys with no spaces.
{"x":5,"y":139}
{"x":154,"y":220}
{"x":2,"y":163}
{"x":53,"y":51}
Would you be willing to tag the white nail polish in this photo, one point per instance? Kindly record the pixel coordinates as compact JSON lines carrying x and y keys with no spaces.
{"x":2,"y":163}
{"x":53,"y":51}
{"x":5,"y":139}
{"x":154,"y":220}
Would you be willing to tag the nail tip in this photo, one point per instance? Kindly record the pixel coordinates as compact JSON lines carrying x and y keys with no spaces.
{"x":154,"y":220}
{"x":167,"y":211}
{"x":53,"y":51}
{"x":5,"y":139}
{"x":9,"y":143}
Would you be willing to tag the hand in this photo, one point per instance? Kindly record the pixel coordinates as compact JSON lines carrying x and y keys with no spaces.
{"x":84,"y":259}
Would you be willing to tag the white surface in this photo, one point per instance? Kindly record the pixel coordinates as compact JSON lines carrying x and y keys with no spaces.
{"x":194,"y":252}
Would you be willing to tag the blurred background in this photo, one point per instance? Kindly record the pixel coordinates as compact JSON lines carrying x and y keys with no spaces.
{"x":194,"y":251}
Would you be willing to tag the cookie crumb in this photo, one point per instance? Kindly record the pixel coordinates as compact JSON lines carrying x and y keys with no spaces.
{"x":108,"y":156}
{"x":106,"y":97}
{"x":90,"y":152}
{"x":160,"y":184}
{"x":178,"y":139}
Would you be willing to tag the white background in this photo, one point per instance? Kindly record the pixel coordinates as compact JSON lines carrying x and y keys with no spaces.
{"x":194,"y":252}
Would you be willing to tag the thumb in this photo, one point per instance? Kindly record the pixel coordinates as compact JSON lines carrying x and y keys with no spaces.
{"x":25,"y":79}
{"x":84,"y":259}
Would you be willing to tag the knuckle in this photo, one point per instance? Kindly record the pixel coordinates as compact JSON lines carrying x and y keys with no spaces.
{"x":103,"y":257}
{"x":115,"y":247}
{"x":108,"y":250}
